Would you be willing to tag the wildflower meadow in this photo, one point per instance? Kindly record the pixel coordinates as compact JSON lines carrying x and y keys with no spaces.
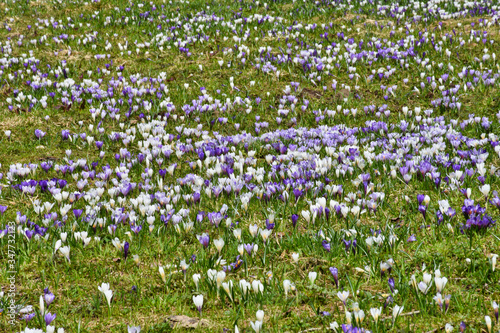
{"x":249,"y":166}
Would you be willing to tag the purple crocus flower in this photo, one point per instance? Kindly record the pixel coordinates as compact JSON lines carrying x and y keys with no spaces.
{"x":136,"y":228}
{"x":297,"y":193}
{"x":389,"y":300}
{"x":65,"y":134}
{"x":422,"y":209}
{"x":294,"y":218}
{"x":204,"y":240}
{"x":199,"y":216}
{"x":326,"y":245}
{"x":39,"y":133}
{"x":269,"y":226}
{"x":439,"y":217}
{"x":327,"y":214}
{"x":112,"y":228}
{"x":335,"y":273}
{"x":77,"y":213}
{"x":350,"y":245}
{"x":412,"y":238}
{"x":49,"y":317}
{"x":447,"y":300}
{"x":126,"y":246}
{"x":3,"y":209}
{"x":392,"y":284}
{"x":494,"y":201}
{"x":462,"y":327}
{"x":420,"y":198}
{"x":49,"y":298}
{"x":29,"y":233}
{"x":450,"y":212}
{"x":249,"y":248}
{"x":28,"y":317}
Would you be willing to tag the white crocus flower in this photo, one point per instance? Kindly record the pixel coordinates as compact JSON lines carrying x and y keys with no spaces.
{"x":493,"y":258}
{"x":376,"y":312}
{"x":396,"y":311}
{"x":485,"y":189}
{"x":312,"y":277}
{"x":440,"y":283}
{"x":257,"y":326}
{"x":260,"y":315}
{"x":343,"y":296}
{"x":162,"y":274}
{"x":198,"y":302}
{"x":286,"y":286}
{"x":196,"y":280}
{"x":487,"y":320}
{"x":108,"y":293}
{"x":65,"y":252}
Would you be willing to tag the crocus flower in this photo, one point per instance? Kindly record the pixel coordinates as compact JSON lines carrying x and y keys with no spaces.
{"x":133,"y":329}
{"x":65,"y":252}
{"x":343,"y":296}
{"x":184,"y":266}
{"x":495,"y":308}
{"x":396,"y":311}
{"x":326,"y":245}
{"x":440,"y":283}
{"x":49,"y":317}
{"x":269,"y":225}
{"x":137,"y":259}
{"x":28,"y":317}
{"x":126,"y":246}
{"x":376,"y":312}
{"x":447,"y":300}
{"x":493,"y":258}
{"x":312,"y":277}
{"x":49,"y":298}
{"x":204,"y":240}
{"x":196,"y":280}
{"x":392,"y":285}
{"x":335,"y":273}
{"x":39,"y":133}
{"x":286,"y":287}
{"x":220,"y":278}
{"x":249,"y":248}
{"x":162,"y":274}
{"x":439,"y":300}
{"x":108,"y":293}
{"x":423,"y":287}
{"x":487,"y":320}
{"x":198,"y":302}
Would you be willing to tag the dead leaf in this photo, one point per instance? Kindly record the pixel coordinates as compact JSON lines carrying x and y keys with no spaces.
{"x":343,"y":93}
{"x":311,"y":93}
{"x":187,"y":322}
